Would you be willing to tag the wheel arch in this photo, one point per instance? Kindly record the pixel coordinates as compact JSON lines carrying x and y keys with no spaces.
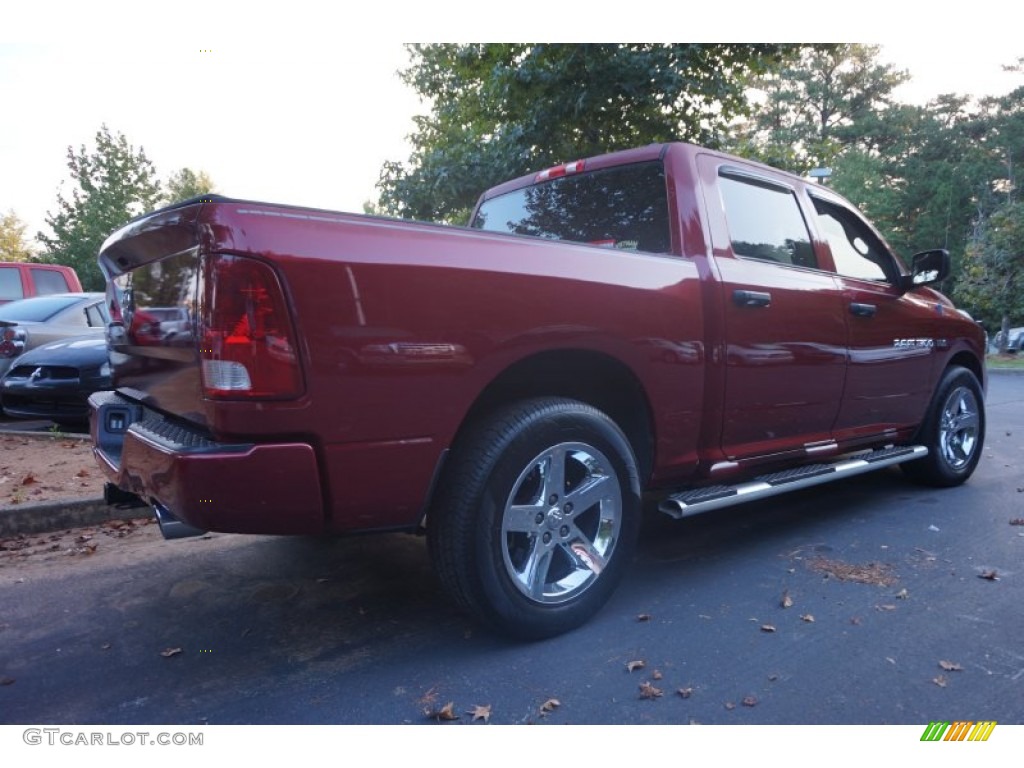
{"x":969,"y":361}
{"x":591,"y":377}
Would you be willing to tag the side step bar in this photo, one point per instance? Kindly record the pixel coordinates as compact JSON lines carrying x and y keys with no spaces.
{"x":698,"y":500}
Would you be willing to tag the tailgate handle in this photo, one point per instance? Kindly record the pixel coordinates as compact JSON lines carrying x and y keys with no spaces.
{"x":751,"y":298}
{"x":863,"y":310}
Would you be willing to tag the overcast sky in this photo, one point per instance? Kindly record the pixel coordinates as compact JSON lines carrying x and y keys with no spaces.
{"x":300,"y":124}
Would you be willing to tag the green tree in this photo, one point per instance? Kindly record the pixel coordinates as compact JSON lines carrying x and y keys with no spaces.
{"x":111,"y":183}
{"x":920,"y":174}
{"x":992,"y":283}
{"x":13,"y":246}
{"x":186,"y":184}
{"x":811,"y":110}
{"x":925,"y":175}
{"x":501,"y":110}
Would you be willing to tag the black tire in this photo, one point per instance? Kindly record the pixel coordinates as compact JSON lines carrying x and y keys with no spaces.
{"x":953,"y":431}
{"x":537,"y":517}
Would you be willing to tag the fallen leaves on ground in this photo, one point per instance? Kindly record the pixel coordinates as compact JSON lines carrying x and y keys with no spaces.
{"x":903,"y":594}
{"x":77,"y":541}
{"x":767,"y":628}
{"x":643,"y":617}
{"x":950,"y":666}
{"x":1017,"y":521}
{"x":168,"y":652}
{"x":635,"y":665}
{"x":549,"y":706}
{"x":787,"y":601}
{"x":426,"y":701}
{"x":49,"y":476}
{"x":729,"y":705}
{"x":649,"y":691}
{"x":989,"y":576}
{"x":939,"y":681}
{"x":685,"y":692}
{"x":878,"y":574}
{"x":656,"y":674}
{"x":481,"y":712}
{"x":749,"y":701}
{"x":445,"y":713}
{"x":808,"y":618}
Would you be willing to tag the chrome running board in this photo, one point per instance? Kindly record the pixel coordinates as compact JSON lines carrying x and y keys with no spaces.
{"x":696,"y":500}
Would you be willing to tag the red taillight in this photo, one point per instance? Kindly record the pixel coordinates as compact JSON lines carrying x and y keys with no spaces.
{"x":246,"y":336}
{"x":566,"y":169}
{"x":12,"y":341}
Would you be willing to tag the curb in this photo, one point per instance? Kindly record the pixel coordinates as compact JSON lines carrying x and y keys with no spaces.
{"x":46,"y":517}
{"x":1006,"y":371}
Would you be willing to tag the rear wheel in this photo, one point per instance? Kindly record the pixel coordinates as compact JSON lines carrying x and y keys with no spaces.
{"x":537,"y":517}
{"x":953,"y":431}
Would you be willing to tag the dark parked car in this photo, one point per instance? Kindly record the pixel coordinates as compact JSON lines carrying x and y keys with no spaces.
{"x":28,"y":323}
{"x":54,"y":381}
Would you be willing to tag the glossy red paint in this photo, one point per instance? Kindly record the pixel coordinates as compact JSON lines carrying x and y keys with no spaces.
{"x":405,"y":330}
{"x":269,"y":489}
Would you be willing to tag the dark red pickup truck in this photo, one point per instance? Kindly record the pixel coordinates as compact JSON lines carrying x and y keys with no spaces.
{"x":667,"y":322}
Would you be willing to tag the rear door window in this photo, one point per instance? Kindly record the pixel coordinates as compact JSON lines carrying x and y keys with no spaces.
{"x":96,"y":315}
{"x":48,"y":281}
{"x":624,"y":207}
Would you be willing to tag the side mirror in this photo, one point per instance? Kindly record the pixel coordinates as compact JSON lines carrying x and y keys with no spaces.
{"x":927,"y":268}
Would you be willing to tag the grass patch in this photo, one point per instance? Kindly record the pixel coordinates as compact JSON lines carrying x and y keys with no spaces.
{"x":1005,"y":362}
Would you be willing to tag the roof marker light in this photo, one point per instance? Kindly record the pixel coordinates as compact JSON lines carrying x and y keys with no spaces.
{"x":565,"y":169}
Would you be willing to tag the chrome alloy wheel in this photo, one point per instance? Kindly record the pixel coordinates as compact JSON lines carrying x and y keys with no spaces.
{"x":958,"y":428}
{"x":561,"y":522}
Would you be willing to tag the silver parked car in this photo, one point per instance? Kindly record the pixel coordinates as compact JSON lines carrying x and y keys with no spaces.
{"x":29,"y":323}
{"x":1015,"y":340}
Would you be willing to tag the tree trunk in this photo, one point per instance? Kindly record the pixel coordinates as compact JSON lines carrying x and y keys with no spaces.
{"x":1004,"y":335}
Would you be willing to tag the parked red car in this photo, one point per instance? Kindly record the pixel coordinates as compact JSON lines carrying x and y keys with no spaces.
{"x":21,"y":280}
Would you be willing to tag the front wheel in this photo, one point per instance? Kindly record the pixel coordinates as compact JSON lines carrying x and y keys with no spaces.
{"x":953,"y":431}
{"x":537,"y":517}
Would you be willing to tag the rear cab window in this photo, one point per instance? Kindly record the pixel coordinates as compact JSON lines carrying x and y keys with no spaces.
{"x":623,"y":207}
